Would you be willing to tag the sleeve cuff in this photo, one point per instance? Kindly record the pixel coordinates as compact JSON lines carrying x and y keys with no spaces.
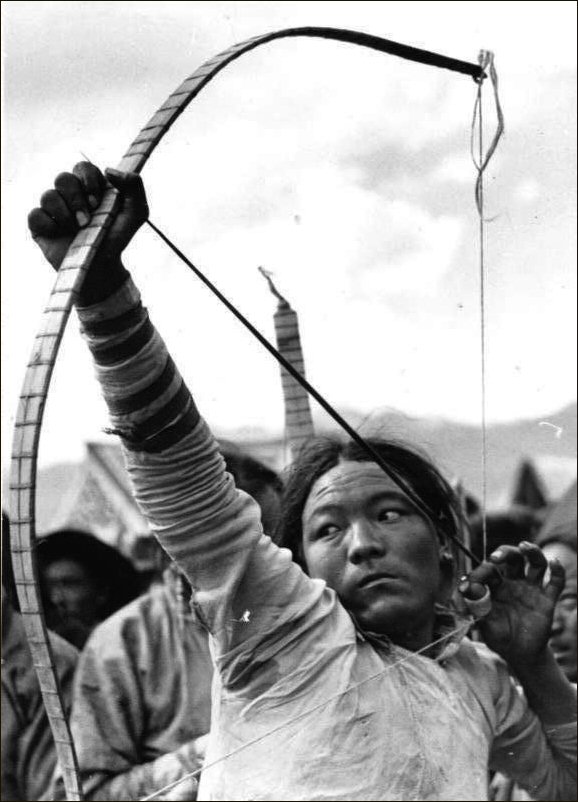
{"x":124,"y":299}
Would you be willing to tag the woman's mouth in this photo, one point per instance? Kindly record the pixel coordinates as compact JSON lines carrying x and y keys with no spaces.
{"x":376,"y":579}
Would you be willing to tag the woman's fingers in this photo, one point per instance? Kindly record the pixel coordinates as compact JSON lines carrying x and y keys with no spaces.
{"x":80,"y":194}
{"x":510,"y":561}
{"x":536,"y":562}
{"x":70,"y":204}
{"x":132,"y":191}
{"x":41,"y":224}
{"x":71,"y":190}
{"x":525,"y":562}
{"x":556,"y":580}
{"x":54,"y":205}
{"x":484,"y":576}
{"x":93,"y":182}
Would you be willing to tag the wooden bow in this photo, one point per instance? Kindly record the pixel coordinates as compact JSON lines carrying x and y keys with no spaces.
{"x":45,"y":350}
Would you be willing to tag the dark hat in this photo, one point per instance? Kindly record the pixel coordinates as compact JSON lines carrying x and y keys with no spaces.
{"x":102,"y":561}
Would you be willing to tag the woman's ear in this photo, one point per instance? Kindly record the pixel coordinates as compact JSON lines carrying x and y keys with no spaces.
{"x":300,"y":558}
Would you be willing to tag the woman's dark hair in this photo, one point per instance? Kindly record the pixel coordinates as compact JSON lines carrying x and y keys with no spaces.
{"x":259,"y":481}
{"x":250,"y":474}
{"x":322,"y":454}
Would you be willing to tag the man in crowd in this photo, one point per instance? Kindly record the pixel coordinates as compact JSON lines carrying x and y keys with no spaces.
{"x":83,"y":580}
{"x":142,"y":699}
{"x":28,"y":752}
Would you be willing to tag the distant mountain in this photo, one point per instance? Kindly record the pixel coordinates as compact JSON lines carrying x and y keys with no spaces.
{"x":549,"y":443}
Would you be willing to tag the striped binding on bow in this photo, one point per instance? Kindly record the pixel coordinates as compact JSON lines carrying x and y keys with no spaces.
{"x":47,"y":342}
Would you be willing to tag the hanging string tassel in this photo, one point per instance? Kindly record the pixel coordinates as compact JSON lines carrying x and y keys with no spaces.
{"x":298,"y":419}
{"x":481,"y":161}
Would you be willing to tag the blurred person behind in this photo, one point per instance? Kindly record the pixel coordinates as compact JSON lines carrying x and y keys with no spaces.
{"x":83,"y":581}
{"x":142,"y":698}
{"x":28,"y":751}
{"x":557,"y":539}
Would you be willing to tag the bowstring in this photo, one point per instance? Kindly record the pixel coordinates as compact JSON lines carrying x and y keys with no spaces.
{"x":482,"y":279}
{"x":462,"y":628}
{"x":481,"y":161}
{"x":389,"y":471}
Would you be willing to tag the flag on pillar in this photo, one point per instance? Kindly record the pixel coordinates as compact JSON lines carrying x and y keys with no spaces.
{"x":298,"y":419}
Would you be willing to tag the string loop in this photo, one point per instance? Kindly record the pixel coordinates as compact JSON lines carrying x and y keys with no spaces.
{"x":481,"y":161}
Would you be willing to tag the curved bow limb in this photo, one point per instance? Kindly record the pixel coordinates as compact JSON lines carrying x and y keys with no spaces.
{"x":47,"y":342}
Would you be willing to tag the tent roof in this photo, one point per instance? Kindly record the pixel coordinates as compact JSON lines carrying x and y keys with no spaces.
{"x":561,"y":522}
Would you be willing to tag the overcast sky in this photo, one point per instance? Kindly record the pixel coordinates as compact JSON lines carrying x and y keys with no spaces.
{"x":344,"y":172}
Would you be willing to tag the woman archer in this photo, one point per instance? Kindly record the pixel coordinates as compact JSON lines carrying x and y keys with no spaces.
{"x":341,"y":674}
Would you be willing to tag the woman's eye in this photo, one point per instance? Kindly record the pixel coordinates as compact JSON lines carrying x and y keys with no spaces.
{"x":389,"y":515}
{"x":327,"y":530}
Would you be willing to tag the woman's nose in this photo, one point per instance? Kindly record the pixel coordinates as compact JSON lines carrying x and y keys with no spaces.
{"x":365,"y":542}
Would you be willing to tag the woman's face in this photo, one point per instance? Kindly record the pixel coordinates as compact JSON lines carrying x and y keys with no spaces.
{"x":364,"y":537}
